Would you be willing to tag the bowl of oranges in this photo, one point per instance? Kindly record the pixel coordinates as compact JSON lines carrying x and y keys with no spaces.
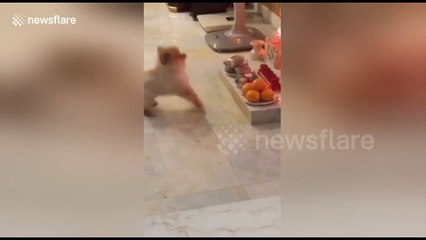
{"x":258,"y":93}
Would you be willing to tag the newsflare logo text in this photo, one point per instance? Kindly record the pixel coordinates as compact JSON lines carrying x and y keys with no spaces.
{"x":19,"y":20}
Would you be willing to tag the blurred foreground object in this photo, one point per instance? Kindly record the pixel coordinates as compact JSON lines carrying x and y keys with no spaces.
{"x":358,"y":70}
{"x":71,"y":144}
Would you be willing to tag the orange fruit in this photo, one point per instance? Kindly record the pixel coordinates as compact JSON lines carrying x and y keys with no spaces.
{"x":267,"y":95}
{"x":253,"y":96}
{"x":260,"y":84}
{"x":247,"y":87}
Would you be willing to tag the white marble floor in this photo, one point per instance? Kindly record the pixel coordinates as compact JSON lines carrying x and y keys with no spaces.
{"x":257,"y":217}
{"x":185,"y":168}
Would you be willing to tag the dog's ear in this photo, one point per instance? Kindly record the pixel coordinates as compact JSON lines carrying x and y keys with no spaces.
{"x":163,"y":56}
{"x":160,"y":50}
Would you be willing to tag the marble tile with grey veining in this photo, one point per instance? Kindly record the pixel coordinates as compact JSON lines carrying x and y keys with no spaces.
{"x":259,"y":217}
{"x":197,"y":200}
{"x":193,"y":163}
{"x":147,"y":126}
{"x":264,"y":189}
{"x":153,"y":161}
{"x":256,"y":166}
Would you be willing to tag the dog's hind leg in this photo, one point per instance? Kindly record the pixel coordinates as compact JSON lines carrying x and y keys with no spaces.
{"x":149,"y":104}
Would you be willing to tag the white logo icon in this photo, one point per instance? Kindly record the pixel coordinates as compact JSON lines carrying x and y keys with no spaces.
{"x":232,"y":140}
{"x":18,"y":20}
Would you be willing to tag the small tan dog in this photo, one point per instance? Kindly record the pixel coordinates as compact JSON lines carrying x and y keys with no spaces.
{"x":169,"y":77}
